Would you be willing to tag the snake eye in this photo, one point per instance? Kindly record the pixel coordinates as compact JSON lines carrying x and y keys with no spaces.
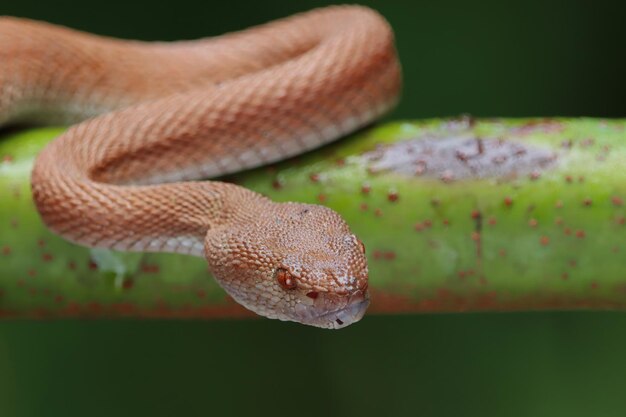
{"x":285,"y":279}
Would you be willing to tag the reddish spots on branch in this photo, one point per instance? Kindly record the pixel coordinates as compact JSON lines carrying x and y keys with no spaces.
{"x":594,"y":285}
{"x":385,"y":255}
{"x":363,"y":206}
{"x":389,"y":255}
{"x":47,"y":257}
{"x":150,"y":268}
{"x":201,"y":293}
{"x":322,"y":198}
{"x":41,"y":243}
{"x":7,"y":159}
{"x":128,"y":283}
{"x":124,"y":309}
{"x":6,"y":250}
{"x":564,"y":276}
{"x":508,"y":201}
{"x":366,"y":188}
{"x":545,"y":240}
{"x":314,"y":177}
{"x":378,"y":212}
{"x":420,"y":226}
{"x":94,"y":307}
{"x":533,"y":222}
{"x":392,"y":196}
{"x":92,"y":265}
{"x":558,"y":221}
{"x":617,"y":201}
{"x":580,"y":234}
{"x":277,"y":184}
{"x":569,"y":179}
{"x":587,"y":202}
{"x":558,"y":204}
{"x":492,"y":221}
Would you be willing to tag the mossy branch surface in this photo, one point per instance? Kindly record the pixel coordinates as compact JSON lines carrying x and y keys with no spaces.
{"x":456,"y":215}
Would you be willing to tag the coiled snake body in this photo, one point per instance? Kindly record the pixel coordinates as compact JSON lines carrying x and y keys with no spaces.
{"x":161,"y":114}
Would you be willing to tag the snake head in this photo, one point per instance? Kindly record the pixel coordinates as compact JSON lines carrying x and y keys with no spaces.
{"x":295,"y":262}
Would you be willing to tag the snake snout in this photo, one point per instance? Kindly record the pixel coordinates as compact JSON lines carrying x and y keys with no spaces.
{"x":334,"y":311}
{"x":352,"y":313}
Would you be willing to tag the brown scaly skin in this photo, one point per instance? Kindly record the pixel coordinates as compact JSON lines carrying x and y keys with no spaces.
{"x":193,"y":109}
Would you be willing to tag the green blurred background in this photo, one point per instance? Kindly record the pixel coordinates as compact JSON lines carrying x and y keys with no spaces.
{"x":487,"y":58}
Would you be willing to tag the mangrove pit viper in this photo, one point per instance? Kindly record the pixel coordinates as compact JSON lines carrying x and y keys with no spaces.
{"x":159,"y":114}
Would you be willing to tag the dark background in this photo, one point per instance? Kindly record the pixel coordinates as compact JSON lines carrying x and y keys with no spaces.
{"x":487,"y":58}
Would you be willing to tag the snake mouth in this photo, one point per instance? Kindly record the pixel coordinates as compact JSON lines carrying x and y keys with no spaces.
{"x":346,"y":316}
{"x":338,"y":318}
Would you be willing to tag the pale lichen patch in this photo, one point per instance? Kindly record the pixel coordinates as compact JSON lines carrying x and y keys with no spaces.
{"x":461,"y":156}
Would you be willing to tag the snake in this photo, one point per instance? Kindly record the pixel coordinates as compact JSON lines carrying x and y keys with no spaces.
{"x":151,"y":121}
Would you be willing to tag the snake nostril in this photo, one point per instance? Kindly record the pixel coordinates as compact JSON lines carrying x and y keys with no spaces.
{"x":312,"y":294}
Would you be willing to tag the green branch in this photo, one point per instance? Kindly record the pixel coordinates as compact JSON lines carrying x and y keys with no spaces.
{"x":455,"y":215}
